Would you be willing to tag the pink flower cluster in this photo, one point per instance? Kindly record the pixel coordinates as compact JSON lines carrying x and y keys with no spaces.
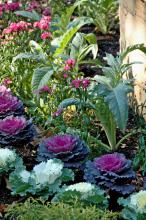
{"x":13,"y":6}
{"x":46,"y":35}
{"x":44,"y":89}
{"x":77,"y":83}
{"x":17,"y":27}
{"x":43,"y":24}
{"x":69,"y":64}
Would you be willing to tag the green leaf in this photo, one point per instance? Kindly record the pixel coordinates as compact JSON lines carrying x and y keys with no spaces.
{"x":31,"y":15}
{"x":132,"y":48}
{"x":107,"y":121}
{"x":41,"y":77}
{"x":118,"y":103}
{"x":73,"y":28}
{"x":68,"y":102}
{"x":37,"y":57}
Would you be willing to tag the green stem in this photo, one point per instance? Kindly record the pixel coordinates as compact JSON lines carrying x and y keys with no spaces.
{"x":128,"y":135}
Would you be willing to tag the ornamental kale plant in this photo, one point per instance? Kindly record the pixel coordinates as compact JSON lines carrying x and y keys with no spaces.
{"x":134,"y":206}
{"x":112,"y":172}
{"x":68,"y":148}
{"x":7,"y":160}
{"x":44,"y":180}
{"x":86,"y":193}
{"x":10,"y":105}
{"x":16,"y":131}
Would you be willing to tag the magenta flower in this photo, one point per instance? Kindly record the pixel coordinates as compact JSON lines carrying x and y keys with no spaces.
{"x":112,"y":172}
{"x":46,"y":35}
{"x":12,"y":6}
{"x":76,"y":83}
{"x":12,"y":125}
{"x":44,"y":89}
{"x":10,"y":105}
{"x":34,"y":5}
{"x":60,"y":143}
{"x":110,"y":162}
{"x":85,"y":83}
{"x":68,"y":148}
{"x":47,"y":11}
{"x":16,"y":131}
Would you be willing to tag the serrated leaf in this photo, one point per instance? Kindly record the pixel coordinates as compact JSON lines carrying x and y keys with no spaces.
{"x":41,"y":77}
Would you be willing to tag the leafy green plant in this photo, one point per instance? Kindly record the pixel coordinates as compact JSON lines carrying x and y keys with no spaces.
{"x":37,"y":210}
{"x":108,"y":97}
{"x":101,"y":11}
{"x":139,"y":161}
{"x":134,"y":206}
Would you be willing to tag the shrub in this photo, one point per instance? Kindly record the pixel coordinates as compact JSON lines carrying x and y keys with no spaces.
{"x":36,"y":210}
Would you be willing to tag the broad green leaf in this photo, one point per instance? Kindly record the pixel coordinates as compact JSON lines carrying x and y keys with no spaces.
{"x":73,"y":28}
{"x":32,"y":56}
{"x":31,"y":15}
{"x":41,"y":77}
{"x":117,"y":100}
{"x":68,"y":102}
{"x":107,"y":121}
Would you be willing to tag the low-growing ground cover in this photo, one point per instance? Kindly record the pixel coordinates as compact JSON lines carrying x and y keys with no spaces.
{"x":71,"y":138}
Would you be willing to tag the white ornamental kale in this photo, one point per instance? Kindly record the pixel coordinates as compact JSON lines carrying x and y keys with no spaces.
{"x":83,"y":188}
{"x":134,"y":206}
{"x":138,"y":201}
{"x":44,"y":180}
{"x":47,"y":172}
{"x":7,"y":159}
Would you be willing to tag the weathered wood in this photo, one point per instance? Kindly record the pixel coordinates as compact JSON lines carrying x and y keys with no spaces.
{"x":133,"y":31}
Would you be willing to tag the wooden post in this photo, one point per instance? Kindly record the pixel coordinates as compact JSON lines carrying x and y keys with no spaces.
{"x":133,"y":31}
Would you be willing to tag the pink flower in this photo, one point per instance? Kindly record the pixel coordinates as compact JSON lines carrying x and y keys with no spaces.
{"x":85,"y":83}
{"x":76,"y":83}
{"x":67,"y":68}
{"x":65,"y":75}
{"x":46,"y":35}
{"x":70,"y":62}
{"x":43,"y":24}
{"x":44,"y":89}
{"x":16,"y":27}
{"x":7,"y":81}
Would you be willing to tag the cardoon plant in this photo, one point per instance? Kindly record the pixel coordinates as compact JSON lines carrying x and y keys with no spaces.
{"x":10,"y":105}
{"x":68,"y":148}
{"x":112,"y":172}
{"x":16,"y":131}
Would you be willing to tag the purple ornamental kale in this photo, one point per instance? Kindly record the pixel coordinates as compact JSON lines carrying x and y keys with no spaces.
{"x":16,"y":131}
{"x":112,"y":172}
{"x":68,"y":148}
{"x":10,"y":105}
